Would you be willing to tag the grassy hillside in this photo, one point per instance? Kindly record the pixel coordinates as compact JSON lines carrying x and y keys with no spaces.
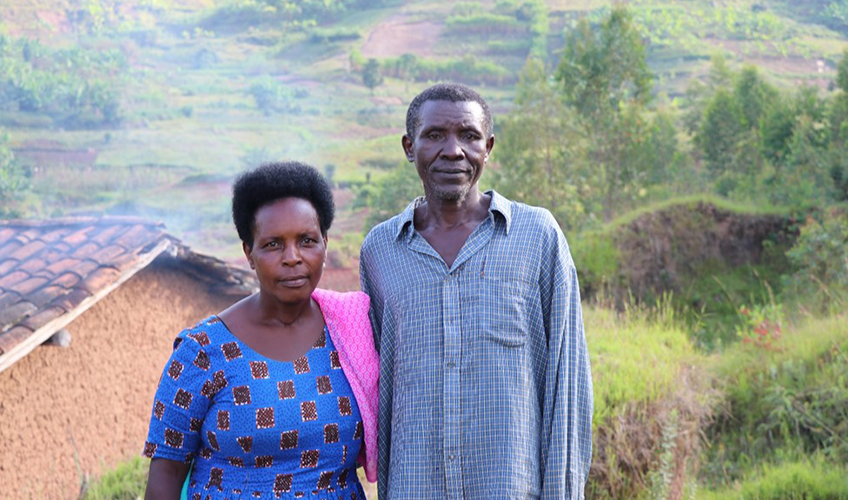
{"x":205,"y":88}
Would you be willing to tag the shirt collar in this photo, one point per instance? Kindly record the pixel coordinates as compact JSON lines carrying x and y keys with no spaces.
{"x":499,"y":205}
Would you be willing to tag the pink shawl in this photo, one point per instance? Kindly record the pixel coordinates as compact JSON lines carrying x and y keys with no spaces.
{"x":346,"y":316}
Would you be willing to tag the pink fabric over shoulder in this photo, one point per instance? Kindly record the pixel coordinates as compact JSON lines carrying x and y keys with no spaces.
{"x":346,"y":316}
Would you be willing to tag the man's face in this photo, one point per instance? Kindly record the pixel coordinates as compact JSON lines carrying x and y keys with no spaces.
{"x":450,"y":148}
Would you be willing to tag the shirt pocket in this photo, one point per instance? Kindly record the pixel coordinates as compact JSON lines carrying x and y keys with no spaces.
{"x":504,"y":312}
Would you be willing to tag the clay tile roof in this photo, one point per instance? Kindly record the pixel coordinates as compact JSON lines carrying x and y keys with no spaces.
{"x":53,"y":270}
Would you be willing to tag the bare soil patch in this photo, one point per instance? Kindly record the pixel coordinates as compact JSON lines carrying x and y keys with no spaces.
{"x":397,"y":35}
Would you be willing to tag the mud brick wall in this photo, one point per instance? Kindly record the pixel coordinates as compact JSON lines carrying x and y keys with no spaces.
{"x":67,"y":414}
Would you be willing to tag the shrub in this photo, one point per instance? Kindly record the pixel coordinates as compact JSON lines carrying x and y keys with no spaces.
{"x":271,"y":96}
{"x":14,"y":181}
{"x":820,"y":257}
{"x":75,"y":87}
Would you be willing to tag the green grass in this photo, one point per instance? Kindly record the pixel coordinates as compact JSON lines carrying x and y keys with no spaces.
{"x":692,"y":200}
{"x":636,"y":357}
{"x":790,"y":398}
{"x":125,"y":482}
{"x":813,"y":478}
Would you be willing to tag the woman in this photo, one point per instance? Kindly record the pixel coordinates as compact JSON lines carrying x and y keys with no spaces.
{"x":273,"y":397}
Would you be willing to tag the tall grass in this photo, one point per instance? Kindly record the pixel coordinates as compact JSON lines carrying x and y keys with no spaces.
{"x":651,"y":400}
{"x":636,"y":356}
{"x":783,"y":401}
{"x":813,"y":478}
{"x":125,"y":482}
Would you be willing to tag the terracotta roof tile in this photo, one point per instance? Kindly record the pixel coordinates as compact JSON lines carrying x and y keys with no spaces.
{"x":77,"y":237}
{"x":13,"y":337}
{"x":30,"y":285}
{"x":28,"y":250}
{"x":42,"y":317}
{"x":71,"y":299}
{"x":54,"y":235}
{"x":14,"y":277}
{"x":54,"y":252}
{"x":63,"y":265}
{"x":7,"y":298}
{"x":32,"y":265}
{"x":67,"y":280}
{"x":124,"y":262}
{"x":109,"y":254}
{"x":99,"y":279}
{"x":7,"y":265}
{"x":46,"y":295}
{"x":48,"y":268}
{"x":15,"y":314}
{"x":85,"y":250}
{"x":30,"y":234}
{"x":136,"y":236}
{"x":8,"y":247}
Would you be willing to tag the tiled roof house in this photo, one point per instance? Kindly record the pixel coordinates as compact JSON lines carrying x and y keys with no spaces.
{"x":88,"y":311}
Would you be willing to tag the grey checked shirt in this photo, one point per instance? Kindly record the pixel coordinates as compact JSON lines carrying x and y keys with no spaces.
{"x":485,"y":387}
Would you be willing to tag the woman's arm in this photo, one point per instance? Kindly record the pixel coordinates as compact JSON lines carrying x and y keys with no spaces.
{"x":165,"y":479}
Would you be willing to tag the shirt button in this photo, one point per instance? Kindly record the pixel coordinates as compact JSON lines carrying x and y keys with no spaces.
{"x":451,"y":364}
{"x":451,"y":457}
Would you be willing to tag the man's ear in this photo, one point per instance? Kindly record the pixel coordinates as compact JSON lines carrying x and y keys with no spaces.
{"x":247,"y":252}
{"x":490,"y":143}
{"x":406,"y":142}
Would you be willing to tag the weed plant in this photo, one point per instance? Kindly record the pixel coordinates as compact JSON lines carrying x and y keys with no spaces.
{"x":784,"y":400}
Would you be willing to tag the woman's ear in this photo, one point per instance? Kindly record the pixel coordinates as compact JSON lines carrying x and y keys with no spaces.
{"x":248,"y":252}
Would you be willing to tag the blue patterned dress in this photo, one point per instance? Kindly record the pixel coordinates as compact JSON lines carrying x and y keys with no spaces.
{"x":256,"y":427}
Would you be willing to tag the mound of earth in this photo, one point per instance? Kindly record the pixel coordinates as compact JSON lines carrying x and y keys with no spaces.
{"x":660,"y":251}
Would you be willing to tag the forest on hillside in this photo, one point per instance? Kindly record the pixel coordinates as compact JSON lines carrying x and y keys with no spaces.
{"x":694,"y":154}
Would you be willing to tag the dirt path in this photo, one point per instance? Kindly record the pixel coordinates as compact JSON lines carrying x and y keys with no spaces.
{"x":397,"y":35}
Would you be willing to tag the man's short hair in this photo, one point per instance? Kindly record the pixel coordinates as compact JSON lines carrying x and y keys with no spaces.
{"x":453,"y":92}
{"x":270,"y":182}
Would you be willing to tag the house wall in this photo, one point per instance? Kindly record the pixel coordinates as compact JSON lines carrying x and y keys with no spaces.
{"x":67,"y":414}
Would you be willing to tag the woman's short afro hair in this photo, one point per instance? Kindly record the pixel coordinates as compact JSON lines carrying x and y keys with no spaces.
{"x":270,"y":182}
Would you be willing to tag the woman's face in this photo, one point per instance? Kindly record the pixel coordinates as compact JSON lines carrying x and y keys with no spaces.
{"x":288,"y":250}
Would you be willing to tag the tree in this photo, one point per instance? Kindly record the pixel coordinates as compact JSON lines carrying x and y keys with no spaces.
{"x":388,"y":196}
{"x":539,"y":154}
{"x":602,"y":68}
{"x":837,"y":114}
{"x":720,"y":128}
{"x":371,"y":75}
{"x":753,"y":96}
{"x":606,"y":80}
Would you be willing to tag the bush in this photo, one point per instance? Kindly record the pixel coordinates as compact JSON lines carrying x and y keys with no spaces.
{"x":14,"y":181}
{"x":271,"y":96}
{"x":75,"y":87}
{"x":820,"y":257}
{"x":468,"y":70}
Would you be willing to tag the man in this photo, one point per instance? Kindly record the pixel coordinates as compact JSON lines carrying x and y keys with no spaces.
{"x":485,"y":388}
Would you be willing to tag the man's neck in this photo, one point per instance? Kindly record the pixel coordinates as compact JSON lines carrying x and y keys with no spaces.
{"x":437,"y":214}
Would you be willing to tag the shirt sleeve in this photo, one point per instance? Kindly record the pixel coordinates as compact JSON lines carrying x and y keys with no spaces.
{"x":567,"y":415}
{"x":375,"y":313}
{"x":181,"y":402}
